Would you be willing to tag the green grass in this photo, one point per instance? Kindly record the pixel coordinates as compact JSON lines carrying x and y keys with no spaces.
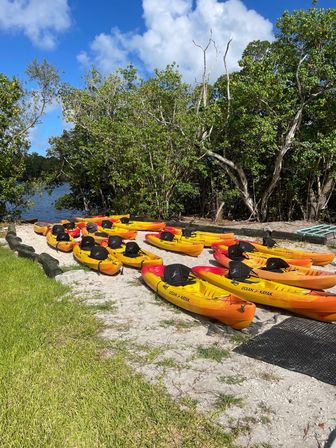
{"x":225,"y":401}
{"x":179,"y":324}
{"x":231,"y":379}
{"x":239,"y":338}
{"x":215,"y":353}
{"x":75,"y":267}
{"x":57,"y":389}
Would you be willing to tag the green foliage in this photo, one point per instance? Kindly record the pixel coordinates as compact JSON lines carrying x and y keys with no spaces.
{"x":20,"y":111}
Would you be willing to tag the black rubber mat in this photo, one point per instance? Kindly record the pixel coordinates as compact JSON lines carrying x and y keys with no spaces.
{"x":297,"y":344}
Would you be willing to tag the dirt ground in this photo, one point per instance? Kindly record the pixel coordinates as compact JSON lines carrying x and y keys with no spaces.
{"x":267,"y":406}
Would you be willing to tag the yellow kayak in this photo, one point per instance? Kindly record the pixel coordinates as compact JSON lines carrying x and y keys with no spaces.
{"x":125,"y":223}
{"x":198,"y":296}
{"x":318,"y":258}
{"x":99,"y":218}
{"x":198,"y":236}
{"x":42,"y":227}
{"x":130,"y":254}
{"x":59,"y":240}
{"x":96,"y":257}
{"x":319,"y":305}
{"x":174,"y":244}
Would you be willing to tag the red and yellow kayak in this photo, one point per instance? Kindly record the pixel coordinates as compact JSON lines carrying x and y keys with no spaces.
{"x":259,"y":256}
{"x":291,"y":275}
{"x":108,"y":266}
{"x":176,"y":245}
{"x":42,"y":228}
{"x":202,"y":298}
{"x":319,"y":305}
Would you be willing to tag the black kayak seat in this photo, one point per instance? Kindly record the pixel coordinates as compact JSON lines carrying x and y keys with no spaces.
{"x":63,"y":236}
{"x":239,"y":271}
{"x":91,"y":227}
{"x":268,"y":242}
{"x":69,"y":225}
{"x":132,"y":249}
{"x":99,"y":253}
{"x":124,"y":220}
{"x":188,"y":232}
{"x":101,"y":234}
{"x":178,"y":275}
{"x":115,"y":242}
{"x":57,"y":229}
{"x":275,"y":265}
{"x":106,"y":224}
{"x":167,"y":236}
{"x":87,"y":243}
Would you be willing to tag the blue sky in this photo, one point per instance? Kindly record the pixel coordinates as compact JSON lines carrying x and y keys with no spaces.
{"x":72,"y":34}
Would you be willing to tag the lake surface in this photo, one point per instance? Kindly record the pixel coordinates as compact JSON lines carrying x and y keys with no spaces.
{"x":43,"y":208}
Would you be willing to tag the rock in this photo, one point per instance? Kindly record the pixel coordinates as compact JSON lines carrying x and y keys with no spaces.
{"x":71,"y":276}
{"x":26,"y":253}
{"x":13,"y":241}
{"x":50,"y":265}
{"x":25,"y":248}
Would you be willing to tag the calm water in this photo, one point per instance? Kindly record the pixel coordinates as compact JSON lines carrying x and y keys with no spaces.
{"x":43,"y":208}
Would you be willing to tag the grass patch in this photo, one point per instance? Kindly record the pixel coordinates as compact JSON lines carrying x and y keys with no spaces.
{"x":231,"y":379}
{"x":169,"y":362}
{"x":225,"y":401}
{"x":239,"y":338}
{"x":75,"y":267}
{"x":109,"y":305}
{"x":269,"y":376}
{"x":180,"y":324}
{"x":57,"y":389}
{"x":215,"y":353}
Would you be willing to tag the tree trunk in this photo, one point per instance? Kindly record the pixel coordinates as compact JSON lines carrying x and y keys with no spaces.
{"x":318,"y":201}
{"x":278,"y":163}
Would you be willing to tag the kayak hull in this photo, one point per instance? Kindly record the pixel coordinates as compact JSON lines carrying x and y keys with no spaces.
{"x":205,"y":238}
{"x":62,"y":246}
{"x":142,"y":226}
{"x":110,"y":266}
{"x":192,"y":249}
{"x":306,"y":262}
{"x":201,"y":298}
{"x":124,"y":234}
{"x":318,"y":305}
{"x":293,"y":276}
{"x":146,"y":258}
{"x":99,"y":218}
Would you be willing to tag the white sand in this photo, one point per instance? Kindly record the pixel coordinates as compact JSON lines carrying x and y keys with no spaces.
{"x":279,"y":407}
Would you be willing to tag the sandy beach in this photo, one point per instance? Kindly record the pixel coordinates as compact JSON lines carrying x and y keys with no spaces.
{"x":274,"y":406}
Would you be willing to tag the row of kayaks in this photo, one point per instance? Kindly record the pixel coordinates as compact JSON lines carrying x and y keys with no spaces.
{"x":251,"y":272}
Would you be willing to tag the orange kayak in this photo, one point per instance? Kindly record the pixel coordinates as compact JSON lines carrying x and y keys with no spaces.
{"x":258,"y":256}
{"x":319,"y":258}
{"x":174,"y":244}
{"x":206,"y":238}
{"x":98,"y":218}
{"x":140,"y":225}
{"x":198,"y":296}
{"x":102,"y":235}
{"x":277,"y":270}
{"x":42,"y":227}
{"x":319,"y":305}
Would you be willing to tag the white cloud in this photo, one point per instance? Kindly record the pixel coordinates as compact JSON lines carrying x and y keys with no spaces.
{"x":171,"y":27}
{"x":40,"y":20}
